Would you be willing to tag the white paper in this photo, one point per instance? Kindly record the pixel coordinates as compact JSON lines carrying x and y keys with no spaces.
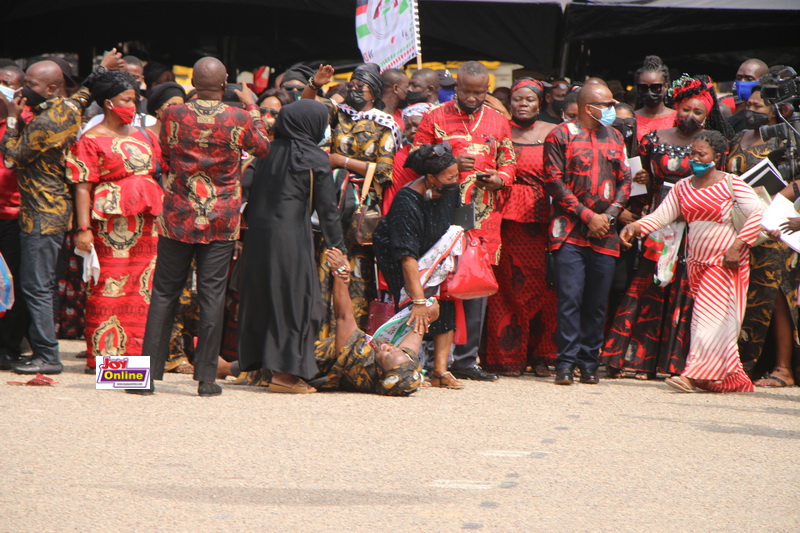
{"x":637,"y":189}
{"x":778,"y":212}
{"x":91,"y":264}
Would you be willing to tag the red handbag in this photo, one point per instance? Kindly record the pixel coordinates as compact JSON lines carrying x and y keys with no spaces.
{"x":473,"y":276}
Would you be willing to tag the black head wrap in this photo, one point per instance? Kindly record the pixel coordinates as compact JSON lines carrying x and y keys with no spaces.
{"x":110,"y":84}
{"x":431,"y":159}
{"x":161,"y":93}
{"x":298,"y":73}
{"x":152,"y":71}
{"x":303,"y":124}
{"x":403,"y":379}
{"x":370,"y":74}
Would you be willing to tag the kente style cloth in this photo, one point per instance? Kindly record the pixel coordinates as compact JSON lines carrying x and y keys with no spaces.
{"x":521,"y":316}
{"x":720,"y":293}
{"x":650,"y":331}
{"x":587,"y":175}
{"x":355,"y":368}
{"x":486,"y":135}
{"x":38,"y":151}
{"x":202,"y":143}
{"x":125,"y":203}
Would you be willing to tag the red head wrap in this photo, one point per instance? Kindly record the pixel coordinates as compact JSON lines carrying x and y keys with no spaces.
{"x":687,"y":88}
{"x":535,"y":85}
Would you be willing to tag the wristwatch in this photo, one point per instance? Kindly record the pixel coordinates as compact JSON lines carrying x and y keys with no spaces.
{"x":611,"y":219}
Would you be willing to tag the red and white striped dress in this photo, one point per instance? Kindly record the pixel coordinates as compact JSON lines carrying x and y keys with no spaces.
{"x":720,"y":293}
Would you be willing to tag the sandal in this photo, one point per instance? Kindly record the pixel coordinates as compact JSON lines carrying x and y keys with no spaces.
{"x":301,"y":387}
{"x":681,"y":384}
{"x":183,"y":368}
{"x":445,"y":381}
{"x":768,"y":377}
{"x":644,"y":376}
{"x":541,"y":370}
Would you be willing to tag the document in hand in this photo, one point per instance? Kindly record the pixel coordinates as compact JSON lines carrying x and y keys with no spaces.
{"x":637,"y":189}
{"x":765,"y":175}
{"x":778,"y":212}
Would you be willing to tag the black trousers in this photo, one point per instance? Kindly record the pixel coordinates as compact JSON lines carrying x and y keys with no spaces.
{"x":466,"y":355}
{"x":14,"y":325}
{"x":172,"y":267}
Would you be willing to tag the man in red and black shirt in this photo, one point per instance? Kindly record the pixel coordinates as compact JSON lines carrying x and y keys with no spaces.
{"x":481,"y":141}
{"x":202,"y":142}
{"x":589,"y":181}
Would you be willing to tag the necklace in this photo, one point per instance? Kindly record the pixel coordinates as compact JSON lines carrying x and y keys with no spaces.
{"x":471,"y":131}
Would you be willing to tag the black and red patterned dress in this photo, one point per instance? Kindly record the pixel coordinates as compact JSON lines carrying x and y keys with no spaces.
{"x":521,"y":317}
{"x":125,"y":202}
{"x":650,"y":332}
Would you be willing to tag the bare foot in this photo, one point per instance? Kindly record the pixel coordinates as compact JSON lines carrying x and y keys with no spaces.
{"x":223,"y":368}
{"x":282,"y":378}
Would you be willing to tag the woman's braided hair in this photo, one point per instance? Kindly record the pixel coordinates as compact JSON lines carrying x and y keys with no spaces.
{"x":652,"y":64}
{"x":688,"y":87}
{"x":717,"y":142}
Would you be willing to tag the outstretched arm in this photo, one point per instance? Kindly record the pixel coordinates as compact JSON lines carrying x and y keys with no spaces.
{"x":342,"y":304}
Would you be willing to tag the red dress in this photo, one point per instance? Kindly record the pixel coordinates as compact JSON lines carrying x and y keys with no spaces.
{"x":645,"y":125}
{"x":125,"y":203}
{"x":521,"y":317}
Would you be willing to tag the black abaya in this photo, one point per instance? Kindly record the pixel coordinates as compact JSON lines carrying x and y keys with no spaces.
{"x":281,"y":308}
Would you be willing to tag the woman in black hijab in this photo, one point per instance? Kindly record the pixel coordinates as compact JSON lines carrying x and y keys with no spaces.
{"x":281,"y":309}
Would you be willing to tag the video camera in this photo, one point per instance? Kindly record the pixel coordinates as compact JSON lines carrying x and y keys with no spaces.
{"x":781,"y":89}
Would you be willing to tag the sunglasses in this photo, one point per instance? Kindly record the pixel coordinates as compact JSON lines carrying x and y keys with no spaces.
{"x":653,"y":87}
{"x":271,"y":112}
{"x":441,"y":149}
{"x":629,"y":122}
{"x":357,"y":87}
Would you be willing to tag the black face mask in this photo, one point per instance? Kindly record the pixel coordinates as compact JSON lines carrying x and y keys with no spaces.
{"x":448,"y":188}
{"x":527,"y":123}
{"x":33,"y":98}
{"x":468,"y":109}
{"x":753,"y":120}
{"x":624,"y":129}
{"x":651,"y":99}
{"x":688,"y":125}
{"x":355,"y":99}
{"x":414,"y":97}
{"x":558,"y":107}
{"x":296,"y":93}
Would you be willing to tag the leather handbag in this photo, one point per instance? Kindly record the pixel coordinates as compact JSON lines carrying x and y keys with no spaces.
{"x":738,"y":218}
{"x":367,"y":215}
{"x":473,"y":276}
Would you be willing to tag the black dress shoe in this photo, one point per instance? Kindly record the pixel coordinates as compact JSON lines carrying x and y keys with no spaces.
{"x":564,"y":377}
{"x":208,"y":388}
{"x":37,"y":365}
{"x":475,"y":373}
{"x":143,"y":392}
{"x":589,"y":377}
{"x":92,"y":371}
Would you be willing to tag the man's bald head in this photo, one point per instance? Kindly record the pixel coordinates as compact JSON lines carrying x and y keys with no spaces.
{"x":425,"y":82}
{"x":595,"y":81}
{"x":46,"y":79}
{"x":12,"y":77}
{"x":209,"y":75}
{"x":752,"y":70}
{"x":592,"y":100}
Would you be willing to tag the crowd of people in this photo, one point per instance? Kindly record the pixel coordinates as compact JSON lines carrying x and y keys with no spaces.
{"x":264,"y":237}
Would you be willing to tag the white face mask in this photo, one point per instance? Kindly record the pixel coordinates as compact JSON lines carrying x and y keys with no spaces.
{"x":326,"y":137}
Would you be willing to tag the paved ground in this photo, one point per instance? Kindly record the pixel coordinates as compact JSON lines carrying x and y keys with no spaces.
{"x":517,"y":455}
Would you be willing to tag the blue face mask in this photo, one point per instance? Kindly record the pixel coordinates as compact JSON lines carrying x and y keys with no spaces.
{"x":699,"y":169}
{"x":744,"y":89}
{"x":609,"y":115}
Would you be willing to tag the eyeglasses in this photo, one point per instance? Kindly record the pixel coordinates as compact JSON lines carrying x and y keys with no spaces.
{"x":357,"y":87}
{"x":441,"y":149}
{"x":653,"y":87}
{"x":603,"y":104}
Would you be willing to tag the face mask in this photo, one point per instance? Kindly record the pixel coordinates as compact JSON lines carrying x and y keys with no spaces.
{"x":124,"y":114}
{"x":650,"y":99}
{"x":33,"y":98}
{"x":414,"y":97}
{"x":609,"y":115}
{"x":558,"y":106}
{"x":744,"y":89}
{"x":355,"y":99}
{"x":753,"y":120}
{"x":295,"y":92}
{"x":624,"y":129}
{"x":687,"y":125}
{"x":468,"y":109}
{"x":527,"y":123}
{"x":448,"y":188}
{"x":326,"y":137}
{"x":699,"y":169}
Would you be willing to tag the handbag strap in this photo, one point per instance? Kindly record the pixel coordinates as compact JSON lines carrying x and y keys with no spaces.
{"x":367,"y":181}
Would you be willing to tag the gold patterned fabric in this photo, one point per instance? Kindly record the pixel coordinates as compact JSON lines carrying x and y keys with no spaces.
{"x":38,"y":152}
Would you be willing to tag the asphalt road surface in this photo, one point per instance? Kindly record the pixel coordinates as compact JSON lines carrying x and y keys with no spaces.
{"x":518,"y":455}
